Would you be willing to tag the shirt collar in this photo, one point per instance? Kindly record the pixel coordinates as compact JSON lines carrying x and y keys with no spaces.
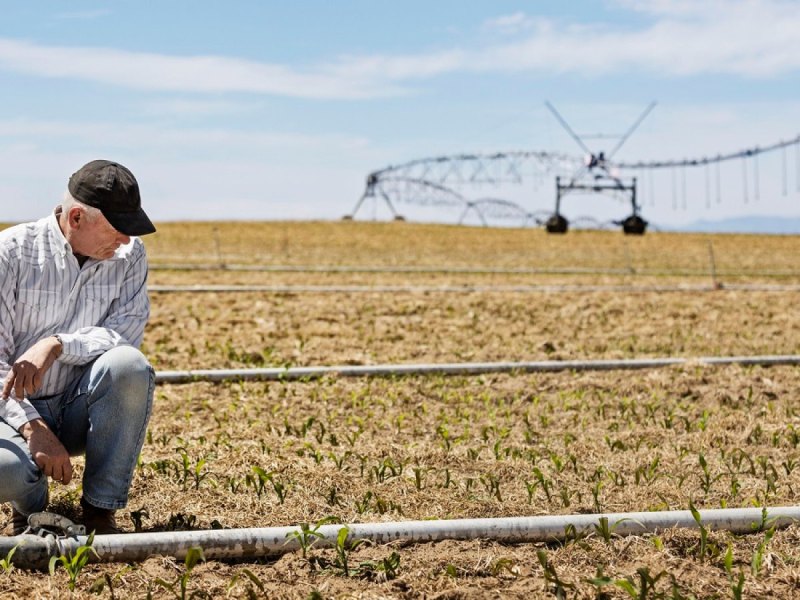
{"x":60,"y":242}
{"x":63,"y":247}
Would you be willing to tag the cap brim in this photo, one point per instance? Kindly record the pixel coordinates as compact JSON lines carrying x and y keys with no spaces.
{"x":130,"y":223}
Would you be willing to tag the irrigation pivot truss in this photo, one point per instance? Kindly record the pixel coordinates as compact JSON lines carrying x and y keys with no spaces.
{"x":431,"y":181}
{"x":457,"y":181}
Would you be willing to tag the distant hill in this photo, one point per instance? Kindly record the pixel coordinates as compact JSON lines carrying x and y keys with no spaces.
{"x":754,"y":224}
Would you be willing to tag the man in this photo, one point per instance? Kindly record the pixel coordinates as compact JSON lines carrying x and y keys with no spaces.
{"x":73,"y":306}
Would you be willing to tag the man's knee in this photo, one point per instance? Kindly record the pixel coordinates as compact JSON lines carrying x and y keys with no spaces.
{"x":19,"y":476}
{"x":128,"y":367}
{"x":127,"y":378}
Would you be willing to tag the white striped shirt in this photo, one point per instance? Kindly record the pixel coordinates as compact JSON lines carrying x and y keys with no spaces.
{"x":45,"y":291}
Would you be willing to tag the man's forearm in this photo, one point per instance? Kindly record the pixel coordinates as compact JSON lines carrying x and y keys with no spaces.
{"x":29,"y":428}
{"x":47,"y":450}
{"x":27,"y":373}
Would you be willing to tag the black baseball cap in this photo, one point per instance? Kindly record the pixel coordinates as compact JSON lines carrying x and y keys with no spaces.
{"x":112,"y":189}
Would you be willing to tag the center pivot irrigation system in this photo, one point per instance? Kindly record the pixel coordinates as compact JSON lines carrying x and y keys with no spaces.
{"x":449,"y":181}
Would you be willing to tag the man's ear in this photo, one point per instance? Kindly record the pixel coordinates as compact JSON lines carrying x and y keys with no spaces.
{"x":75,"y":217}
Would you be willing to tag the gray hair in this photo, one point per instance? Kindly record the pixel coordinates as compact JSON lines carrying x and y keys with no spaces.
{"x":69,"y":201}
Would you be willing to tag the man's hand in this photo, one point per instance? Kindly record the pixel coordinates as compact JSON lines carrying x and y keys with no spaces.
{"x":47,"y":451}
{"x":27,"y":372}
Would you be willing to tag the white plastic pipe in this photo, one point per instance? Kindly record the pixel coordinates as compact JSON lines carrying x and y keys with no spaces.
{"x":388,"y":269}
{"x":34,"y":551}
{"x":520,"y":289}
{"x":397,"y":289}
{"x":462,"y":270}
{"x":295,"y":373}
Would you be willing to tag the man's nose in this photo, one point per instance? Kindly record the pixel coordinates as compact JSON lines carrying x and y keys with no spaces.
{"x":123,"y":239}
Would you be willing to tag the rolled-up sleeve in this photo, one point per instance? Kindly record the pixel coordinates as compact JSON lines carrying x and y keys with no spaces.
{"x":14,"y":411}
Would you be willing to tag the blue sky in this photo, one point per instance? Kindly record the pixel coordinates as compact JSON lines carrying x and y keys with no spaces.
{"x":278,"y":110}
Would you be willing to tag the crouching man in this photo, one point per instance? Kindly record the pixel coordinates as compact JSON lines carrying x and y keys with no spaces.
{"x":73,"y":306}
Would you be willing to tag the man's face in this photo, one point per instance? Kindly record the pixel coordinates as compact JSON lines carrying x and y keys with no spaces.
{"x":96,"y":238}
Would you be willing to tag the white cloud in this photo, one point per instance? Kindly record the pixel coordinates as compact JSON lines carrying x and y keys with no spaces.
{"x":203,"y":74}
{"x":114,"y":134}
{"x":195,"y":107}
{"x":752,"y":38}
{"x":512,"y":23}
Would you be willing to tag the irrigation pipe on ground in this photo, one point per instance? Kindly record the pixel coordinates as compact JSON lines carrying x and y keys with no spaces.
{"x":296,"y":289}
{"x":464,"y":270}
{"x":379,"y":269}
{"x":34,"y":551}
{"x":295,"y":373}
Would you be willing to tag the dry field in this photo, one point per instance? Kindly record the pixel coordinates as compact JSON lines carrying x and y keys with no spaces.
{"x":254,"y":454}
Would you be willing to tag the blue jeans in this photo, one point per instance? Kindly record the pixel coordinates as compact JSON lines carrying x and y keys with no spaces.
{"x":102,"y":414}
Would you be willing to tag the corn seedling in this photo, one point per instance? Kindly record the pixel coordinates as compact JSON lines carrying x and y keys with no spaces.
{"x":444,"y":434}
{"x":281,"y":489}
{"x":352,"y":437}
{"x":332,"y":497}
{"x":307,"y":536}
{"x":362,"y":505}
{"x":657,"y":542}
{"x":604,"y":530}
{"x":559,"y":587}
{"x":233,"y":484}
{"x":386,"y":469}
{"x":702,"y":422}
{"x":492,"y":484}
{"x":706,"y":479}
{"x":73,"y":564}
{"x":596,"y":488}
{"x":385,"y":569}
{"x":447,"y":479}
{"x":343,"y":549}
{"x":616,"y":445}
{"x":736,"y":458}
{"x":340,"y":461}
{"x":181,"y":522}
{"x":254,"y":579}
{"x":6,"y":563}
{"x":542,"y":482}
{"x":647,"y":473}
{"x":531,"y":489}
{"x":164,"y":467}
{"x":259,"y":481}
{"x":572,"y":535}
{"x":179,"y":586}
{"x":705,"y":547}
{"x":737,"y":584}
{"x":792,"y":436}
{"x":616,"y":477}
{"x":138,"y":516}
{"x":107,"y":581}
{"x":758,"y":556}
{"x":419,"y":475}
{"x":504,"y":565}
{"x":646,"y":587}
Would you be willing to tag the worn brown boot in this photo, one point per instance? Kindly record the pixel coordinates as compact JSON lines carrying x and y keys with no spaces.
{"x":17,"y":525}
{"x":99,"y":520}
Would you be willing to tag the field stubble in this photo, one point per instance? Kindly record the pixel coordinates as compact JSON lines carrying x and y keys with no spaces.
{"x":263,"y":454}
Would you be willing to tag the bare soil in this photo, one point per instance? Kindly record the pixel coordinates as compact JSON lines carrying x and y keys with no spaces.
{"x":386,"y":449}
